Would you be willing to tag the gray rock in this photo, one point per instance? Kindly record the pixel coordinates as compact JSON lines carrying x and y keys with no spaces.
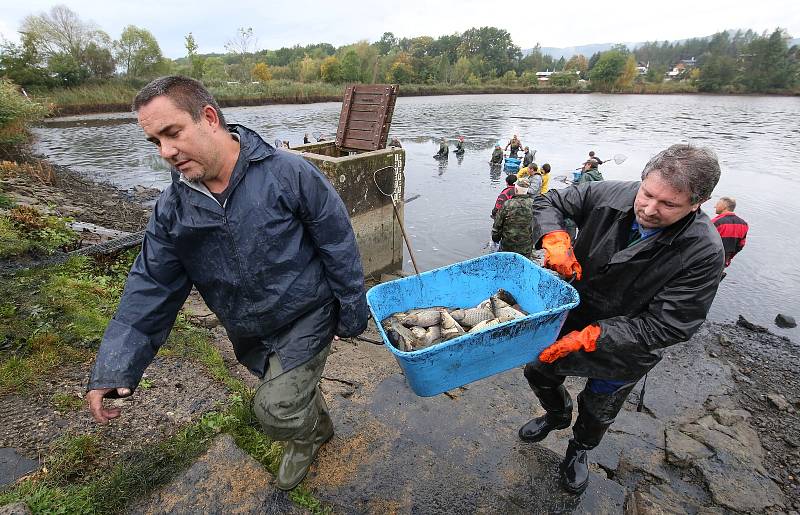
{"x":785,"y":321}
{"x":225,"y":476}
{"x":670,"y":396}
{"x":659,"y":500}
{"x":729,"y":417}
{"x":683,"y":450}
{"x":778,"y":400}
{"x":13,"y":466}
{"x":733,"y":471}
{"x":646,"y":459}
{"x":743,"y":322}
{"x":738,"y":487}
{"x":17,"y":508}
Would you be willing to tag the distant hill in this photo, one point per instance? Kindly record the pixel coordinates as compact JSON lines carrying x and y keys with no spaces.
{"x":588,"y":50}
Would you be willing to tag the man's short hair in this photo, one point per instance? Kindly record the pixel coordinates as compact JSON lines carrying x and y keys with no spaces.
{"x":730,"y":202}
{"x":685,"y":167}
{"x":188,"y":95}
{"x":511,"y":179}
{"x":546,"y":167}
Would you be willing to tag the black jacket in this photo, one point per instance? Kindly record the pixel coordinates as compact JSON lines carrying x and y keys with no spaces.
{"x":645,"y":297}
{"x":282,"y":246}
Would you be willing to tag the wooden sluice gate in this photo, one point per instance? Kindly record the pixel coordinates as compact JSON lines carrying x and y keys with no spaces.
{"x":367,"y":175}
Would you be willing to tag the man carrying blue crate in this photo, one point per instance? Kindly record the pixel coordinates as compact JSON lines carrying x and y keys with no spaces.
{"x":647,"y":262}
{"x":266,"y":240}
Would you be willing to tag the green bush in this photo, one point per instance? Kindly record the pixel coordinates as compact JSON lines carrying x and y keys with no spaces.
{"x":16,"y":111}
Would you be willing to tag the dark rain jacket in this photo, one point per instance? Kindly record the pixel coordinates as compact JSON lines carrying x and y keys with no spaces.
{"x":512,"y":225}
{"x":645,"y":297}
{"x":593,"y":174}
{"x":280,"y":247}
{"x":528,"y":159}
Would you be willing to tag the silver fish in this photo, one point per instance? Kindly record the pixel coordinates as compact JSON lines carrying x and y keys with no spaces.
{"x":423,"y":318}
{"x":471,"y":316}
{"x":489,"y":323}
{"x":418,"y":332}
{"x":406,"y":337}
{"x":432,"y":335}
{"x":450,"y":328}
{"x":501,"y":309}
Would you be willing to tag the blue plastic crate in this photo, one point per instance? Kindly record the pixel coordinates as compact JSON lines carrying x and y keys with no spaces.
{"x":512,"y":164}
{"x":470,"y":357}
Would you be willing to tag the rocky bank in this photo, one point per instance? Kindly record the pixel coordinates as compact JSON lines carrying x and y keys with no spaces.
{"x":718,"y":432}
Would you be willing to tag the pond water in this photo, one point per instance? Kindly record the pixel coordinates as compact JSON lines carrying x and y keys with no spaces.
{"x":756,"y":138}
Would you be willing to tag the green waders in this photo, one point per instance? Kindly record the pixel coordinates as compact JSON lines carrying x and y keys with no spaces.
{"x":291,"y":408}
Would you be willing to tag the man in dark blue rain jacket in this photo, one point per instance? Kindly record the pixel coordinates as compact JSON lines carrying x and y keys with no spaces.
{"x":267,"y":242}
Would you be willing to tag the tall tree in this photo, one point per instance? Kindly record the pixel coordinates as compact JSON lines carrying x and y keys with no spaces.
{"x":242,"y":47}
{"x":214,"y":69}
{"x":243,"y":43}
{"x":137,"y":52}
{"x":579,"y":63}
{"x":386,"y":44}
{"x":331,"y":70}
{"x":22,"y":64}
{"x":718,"y":71}
{"x":609,"y":68}
{"x":195,"y":61}
{"x":493,"y":45}
{"x":629,"y":73}
{"x":61,"y":35}
{"x":351,"y":67}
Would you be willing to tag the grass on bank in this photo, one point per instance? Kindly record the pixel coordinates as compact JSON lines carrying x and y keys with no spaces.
{"x":118,"y":95}
{"x":54,"y":317}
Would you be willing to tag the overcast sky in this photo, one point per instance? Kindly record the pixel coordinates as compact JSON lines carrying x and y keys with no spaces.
{"x":284,"y":23}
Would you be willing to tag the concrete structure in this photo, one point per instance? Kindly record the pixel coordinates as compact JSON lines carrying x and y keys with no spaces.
{"x":354,"y":175}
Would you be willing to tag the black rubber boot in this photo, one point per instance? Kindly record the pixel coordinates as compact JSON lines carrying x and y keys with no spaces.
{"x":574,"y":470}
{"x":596,"y":413}
{"x":558,"y":404}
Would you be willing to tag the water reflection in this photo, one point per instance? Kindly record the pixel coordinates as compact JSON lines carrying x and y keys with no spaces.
{"x":494,"y":173}
{"x":758,"y":162}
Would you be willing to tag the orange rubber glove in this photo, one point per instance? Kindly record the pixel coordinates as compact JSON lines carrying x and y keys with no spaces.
{"x":572,"y":342}
{"x":559,"y":256}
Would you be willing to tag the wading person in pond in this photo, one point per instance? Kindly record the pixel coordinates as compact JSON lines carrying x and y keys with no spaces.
{"x":444,"y":150}
{"x":731,"y":228}
{"x":590,"y":172}
{"x":497,"y":155}
{"x":514,"y":144}
{"x":504,"y":195}
{"x":647,"y":262}
{"x":459,"y":146}
{"x":512,"y":224}
{"x":267,"y":242}
{"x":528,"y":157}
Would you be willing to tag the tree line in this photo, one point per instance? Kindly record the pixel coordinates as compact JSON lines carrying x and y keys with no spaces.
{"x":58,"y":49}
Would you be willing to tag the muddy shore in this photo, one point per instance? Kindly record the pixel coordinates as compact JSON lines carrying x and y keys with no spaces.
{"x":718,"y":433}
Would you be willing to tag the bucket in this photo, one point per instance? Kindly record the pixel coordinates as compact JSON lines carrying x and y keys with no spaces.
{"x":471,"y":357}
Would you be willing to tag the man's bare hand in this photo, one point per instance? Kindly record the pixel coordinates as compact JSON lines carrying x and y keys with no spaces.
{"x":95,"y":400}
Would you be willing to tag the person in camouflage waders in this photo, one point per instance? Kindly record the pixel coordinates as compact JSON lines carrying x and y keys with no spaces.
{"x":512,"y":225}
